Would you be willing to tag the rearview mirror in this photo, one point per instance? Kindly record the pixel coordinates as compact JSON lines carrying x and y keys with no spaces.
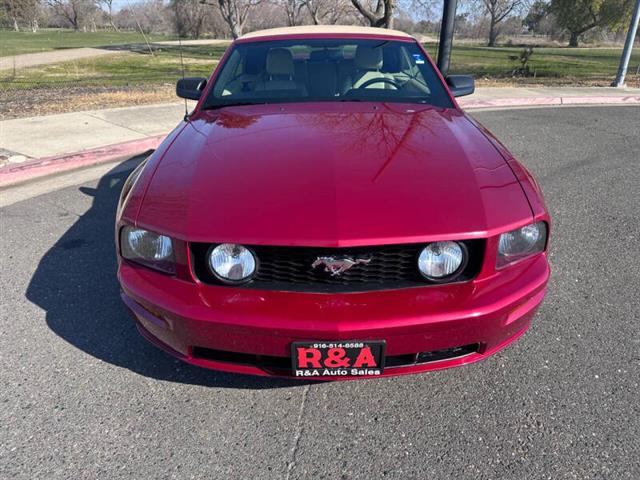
{"x":191,"y":87}
{"x":461,"y":85}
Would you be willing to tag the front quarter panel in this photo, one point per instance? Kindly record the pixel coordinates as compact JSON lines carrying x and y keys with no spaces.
{"x":128,"y":212}
{"x":531,"y":189}
{"x":529,"y":185}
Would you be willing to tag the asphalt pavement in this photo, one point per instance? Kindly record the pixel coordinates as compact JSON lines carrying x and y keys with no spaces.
{"x":84,"y":396}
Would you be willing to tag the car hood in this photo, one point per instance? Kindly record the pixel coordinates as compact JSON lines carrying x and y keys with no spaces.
{"x":332,"y":175}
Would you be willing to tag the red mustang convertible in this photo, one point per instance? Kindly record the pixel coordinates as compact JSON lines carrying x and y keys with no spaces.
{"x":328,"y":211}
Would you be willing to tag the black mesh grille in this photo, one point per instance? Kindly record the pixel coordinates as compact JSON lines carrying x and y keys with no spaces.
{"x":290,"y":268}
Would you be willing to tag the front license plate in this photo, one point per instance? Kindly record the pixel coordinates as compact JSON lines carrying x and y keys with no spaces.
{"x":337,"y":359}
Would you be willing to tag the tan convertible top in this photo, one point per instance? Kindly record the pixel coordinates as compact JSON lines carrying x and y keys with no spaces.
{"x":324,"y":30}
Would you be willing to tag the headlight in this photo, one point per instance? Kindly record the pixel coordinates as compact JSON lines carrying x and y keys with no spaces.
{"x":440,"y":260}
{"x":147,"y":248}
{"x":232,"y":263}
{"x":521,"y":243}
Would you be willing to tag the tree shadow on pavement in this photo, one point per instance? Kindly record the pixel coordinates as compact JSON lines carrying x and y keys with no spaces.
{"x":76,"y":284}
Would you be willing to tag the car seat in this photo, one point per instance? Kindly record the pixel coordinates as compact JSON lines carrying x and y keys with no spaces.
{"x":280,"y":72}
{"x":368,"y":64}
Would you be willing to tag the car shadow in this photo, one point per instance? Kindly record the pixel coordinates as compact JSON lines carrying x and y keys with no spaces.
{"x":75,"y":283}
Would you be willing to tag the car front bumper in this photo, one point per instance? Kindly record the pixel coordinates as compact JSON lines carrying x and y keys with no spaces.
{"x":250,"y":331}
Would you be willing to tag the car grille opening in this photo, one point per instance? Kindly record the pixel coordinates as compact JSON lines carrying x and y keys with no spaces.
{"x":282,"y":365}
{"x":262,"y":361}
{"x":290,"y":268}
{"x":433,"y":356}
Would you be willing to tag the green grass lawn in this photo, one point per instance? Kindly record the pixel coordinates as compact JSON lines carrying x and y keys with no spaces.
{"x":552,"y":66}
{"x":16,"y":43}
{"x":548,"y":63}
{"x":163,"y":67}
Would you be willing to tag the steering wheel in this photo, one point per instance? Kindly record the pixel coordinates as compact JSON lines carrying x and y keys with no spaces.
{"x":380,"y":80}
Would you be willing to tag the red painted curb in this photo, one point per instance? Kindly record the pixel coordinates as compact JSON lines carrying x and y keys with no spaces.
{"x":508,"y":102}
{"x":17,"y":173}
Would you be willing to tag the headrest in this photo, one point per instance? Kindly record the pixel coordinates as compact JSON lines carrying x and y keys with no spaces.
{"x":280,"y":62}
{"x":254,"y":61}
{"x":368,"y":58}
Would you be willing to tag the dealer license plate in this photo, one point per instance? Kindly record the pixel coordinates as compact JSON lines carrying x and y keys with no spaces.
{"x":337,"y":359}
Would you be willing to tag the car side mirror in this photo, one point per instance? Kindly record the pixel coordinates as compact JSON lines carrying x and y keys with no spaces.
{"x":191,"y":87}
{"x":461,"y":85}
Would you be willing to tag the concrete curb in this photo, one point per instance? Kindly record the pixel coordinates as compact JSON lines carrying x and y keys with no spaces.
{"x":548,"y":101}
{"x":19,"y":173}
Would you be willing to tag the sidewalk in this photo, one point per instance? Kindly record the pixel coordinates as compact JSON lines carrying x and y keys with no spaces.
{"x":82,"y":138}
{"x":50,"y":135}
{"x":522,"y":96}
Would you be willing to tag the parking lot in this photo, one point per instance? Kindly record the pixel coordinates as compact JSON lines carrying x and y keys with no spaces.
{"x":84,"y":396}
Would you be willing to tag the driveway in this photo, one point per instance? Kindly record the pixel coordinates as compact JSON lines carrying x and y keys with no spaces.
{"x":84,"y":396}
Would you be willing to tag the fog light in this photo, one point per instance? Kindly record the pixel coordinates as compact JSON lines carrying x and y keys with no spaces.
{"x":232,"y":263}
{"x":440,"y":260}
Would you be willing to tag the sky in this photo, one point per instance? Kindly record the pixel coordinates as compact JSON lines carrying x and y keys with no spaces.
{"x":118,"y":4}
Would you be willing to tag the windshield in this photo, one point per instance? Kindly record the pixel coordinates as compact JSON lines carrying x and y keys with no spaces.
{"x":304,"y":70}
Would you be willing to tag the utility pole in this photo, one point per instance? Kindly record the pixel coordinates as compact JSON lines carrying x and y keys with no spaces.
{"x":628,"y":46}
{"x":446,"y":35}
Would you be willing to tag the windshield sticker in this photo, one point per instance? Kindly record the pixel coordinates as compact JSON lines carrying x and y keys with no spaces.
{"x":419,"y":59}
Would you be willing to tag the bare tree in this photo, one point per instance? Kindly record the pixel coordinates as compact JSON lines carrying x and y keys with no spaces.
{"x":13,"y":10}
{"x":148,"y":16}
{"x":235,"y":13}
{"x":190,"y":17}
{"x":67,"y":10}
{"x":426,"y":9}
{"x":329,"y":11}
{"x":34,"y":14}
{"x":498,"y":11}
{"x":380,"y":15}
{"x":313,"y":7}
{"x":292,"y":9}
{"x":108,"y":4}
{"x":73,"y":11}
{"x":22,"y":11}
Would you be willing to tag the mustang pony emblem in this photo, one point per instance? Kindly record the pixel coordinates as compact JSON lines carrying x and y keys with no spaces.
{"x":336,"y":266}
